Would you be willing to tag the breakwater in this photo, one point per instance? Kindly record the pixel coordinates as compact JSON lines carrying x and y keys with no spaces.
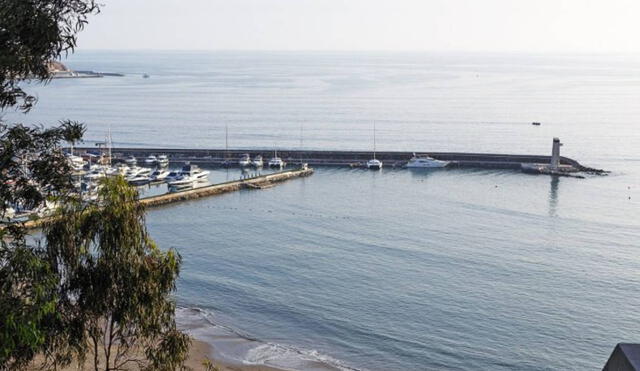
{"x":342,"y":158}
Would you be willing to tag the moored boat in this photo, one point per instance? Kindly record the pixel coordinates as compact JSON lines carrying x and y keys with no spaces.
{"x":424,"y":161}
{"x":245,"y":160}
{"x":151,"y":160}
{"x":257,"y":161}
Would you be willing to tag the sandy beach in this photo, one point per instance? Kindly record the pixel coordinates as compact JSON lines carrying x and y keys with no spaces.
{"x":198,"y":354}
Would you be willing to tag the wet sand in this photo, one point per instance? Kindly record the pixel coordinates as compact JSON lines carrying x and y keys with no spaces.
{"x":198,"y":354}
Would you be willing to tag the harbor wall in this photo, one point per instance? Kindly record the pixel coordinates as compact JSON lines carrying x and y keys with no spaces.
{"x":338,"y":158}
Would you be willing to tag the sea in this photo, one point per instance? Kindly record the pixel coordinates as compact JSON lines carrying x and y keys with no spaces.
{"x":349,"y":269}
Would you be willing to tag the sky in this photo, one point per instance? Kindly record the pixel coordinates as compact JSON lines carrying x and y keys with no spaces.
{"x":369,"y":25}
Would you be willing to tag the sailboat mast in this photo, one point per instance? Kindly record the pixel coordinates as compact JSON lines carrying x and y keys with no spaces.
{"x":226,"y":141}
{"x":110,"y":145}
{"x":374,"y":140}
{"x":301,"y":145}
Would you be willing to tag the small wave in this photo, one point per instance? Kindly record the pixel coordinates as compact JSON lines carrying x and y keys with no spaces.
{"x":234,"y":346}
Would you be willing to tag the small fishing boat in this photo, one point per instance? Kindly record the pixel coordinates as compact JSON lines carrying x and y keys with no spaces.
{"x":276,"y":161}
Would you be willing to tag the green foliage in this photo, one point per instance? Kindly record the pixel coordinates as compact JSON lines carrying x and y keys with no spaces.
{"x":98,"y":283}
{"x":32,"y":34}
{"x":119,"y":280}
{"x":28,"y":304}
{"x":32,"y":164}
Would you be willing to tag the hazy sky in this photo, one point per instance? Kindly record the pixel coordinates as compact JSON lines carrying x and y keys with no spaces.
{"x":431,"y":25}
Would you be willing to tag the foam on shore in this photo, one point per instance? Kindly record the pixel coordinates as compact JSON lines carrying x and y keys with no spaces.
{"x":234,"y":348}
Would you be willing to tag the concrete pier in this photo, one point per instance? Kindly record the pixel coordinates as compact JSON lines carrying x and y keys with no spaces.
{"x":258,"y":182}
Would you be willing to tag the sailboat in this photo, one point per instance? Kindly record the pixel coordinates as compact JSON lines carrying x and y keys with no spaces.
{"x":276,"y":161}
{"x":374,"y":164}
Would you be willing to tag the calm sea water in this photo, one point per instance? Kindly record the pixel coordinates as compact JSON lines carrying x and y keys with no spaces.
{"x":392,"y":270}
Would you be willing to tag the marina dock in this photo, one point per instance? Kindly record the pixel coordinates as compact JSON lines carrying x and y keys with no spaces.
{"x":257,"y":182}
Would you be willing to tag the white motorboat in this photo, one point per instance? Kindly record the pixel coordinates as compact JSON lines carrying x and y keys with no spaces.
{"x":138,"y":179}
{"x":159,"y":175}
{"x":424,"y":161}
{"x":374,"y":164}
{"x":183,"y":181}
{"x":194,"y":171}
{"x":151,"y":160}
{"x":163,"y":161}
{"x":76,"y":162}
{"x":245,"y":160}
{"x":276,"y":161}
{"x":173,"y":175}
{"x":257,"y":161}
{"x":137,"y":171}
{"x":95,"y":175}
{"x":131,"y":161}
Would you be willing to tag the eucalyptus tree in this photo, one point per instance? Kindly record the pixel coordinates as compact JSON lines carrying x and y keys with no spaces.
{"x":95,"y":279}
{"x":119,"y":281}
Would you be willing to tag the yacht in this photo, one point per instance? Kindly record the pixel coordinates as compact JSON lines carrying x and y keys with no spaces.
{"x":151,"y":160}
{"x":374,"y":164}
{"x":76,"y":162}
{"x":159,"y":175}
{"x":138,"y":179}
{"x":131,"y":161}
{"x":276,"y":161}
{"x":95,"y":175}
{"x":245,"y":160}
{"x":182,"y":181}
{"x":163,"y":161}
{"x":424,"y":161}
{"x":194,"y":172}
{"x":173,"y":175}
{"x":257,"y":161}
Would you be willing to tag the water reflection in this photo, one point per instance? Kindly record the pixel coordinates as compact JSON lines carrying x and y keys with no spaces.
{"x":553,"y":195}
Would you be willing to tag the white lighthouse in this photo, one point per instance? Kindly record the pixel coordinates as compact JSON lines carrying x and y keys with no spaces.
{"x":555,"y":154}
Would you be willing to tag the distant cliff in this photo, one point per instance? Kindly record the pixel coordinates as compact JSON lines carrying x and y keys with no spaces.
{"x":55,"y":67}
{"x":60,"y":71}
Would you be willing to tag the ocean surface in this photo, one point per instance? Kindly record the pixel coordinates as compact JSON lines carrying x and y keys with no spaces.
{"x":397,"y":269}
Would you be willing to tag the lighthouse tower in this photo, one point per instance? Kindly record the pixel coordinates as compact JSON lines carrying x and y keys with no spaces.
{"x":555,"y":154}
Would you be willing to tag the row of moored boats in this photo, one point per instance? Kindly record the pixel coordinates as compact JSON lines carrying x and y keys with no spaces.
{"x":257,"y":162}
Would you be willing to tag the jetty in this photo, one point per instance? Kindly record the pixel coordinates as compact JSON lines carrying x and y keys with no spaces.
{"x":256,"y":182}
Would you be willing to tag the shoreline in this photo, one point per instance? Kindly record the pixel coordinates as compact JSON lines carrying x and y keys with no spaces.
{"x":200,"y":351}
